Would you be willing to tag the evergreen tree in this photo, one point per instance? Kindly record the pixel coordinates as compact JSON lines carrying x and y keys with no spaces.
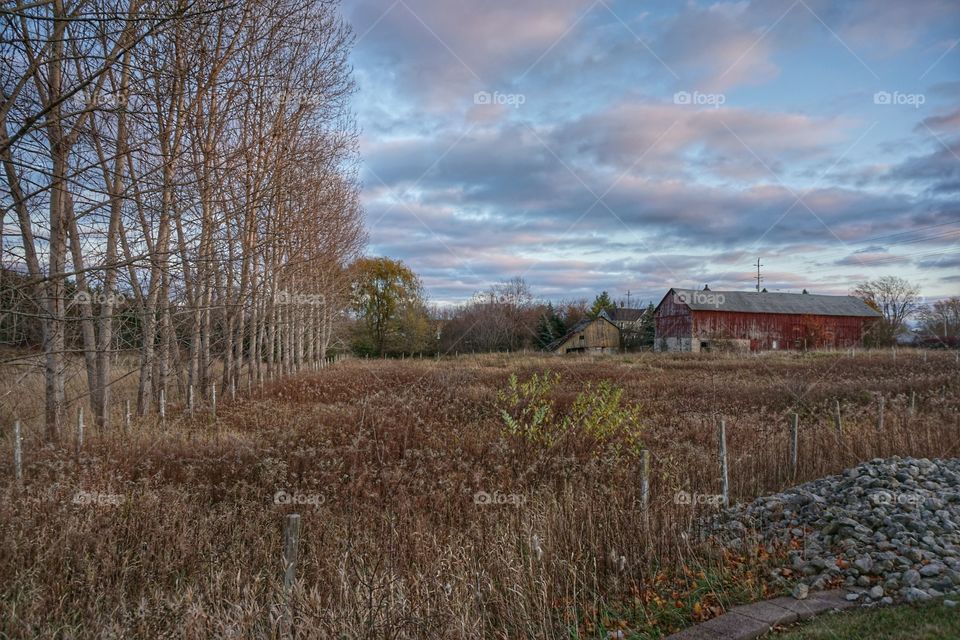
{"x":647,"y":327}
{"x":550,"y":327}
{"x":601,"y":303}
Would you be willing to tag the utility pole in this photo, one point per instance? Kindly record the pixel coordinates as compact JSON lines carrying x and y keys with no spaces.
{"x":758,"y":274}
{"x":628,"y":299}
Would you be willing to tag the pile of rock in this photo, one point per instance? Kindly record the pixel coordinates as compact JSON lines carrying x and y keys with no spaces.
{"x":887,"y":529}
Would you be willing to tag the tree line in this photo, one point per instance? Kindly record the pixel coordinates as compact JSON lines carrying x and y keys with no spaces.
{"x":392,"y":316}
{"x":179,"y":180}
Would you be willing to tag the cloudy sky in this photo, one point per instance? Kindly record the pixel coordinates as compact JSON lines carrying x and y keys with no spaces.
{"x":620,"y":145}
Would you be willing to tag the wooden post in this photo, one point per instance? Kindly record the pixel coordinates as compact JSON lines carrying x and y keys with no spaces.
{"x":126,"y":415}
{"x":213,"y":400}
{"x":17,"y":453}
{"x":837,"y":420}
{"x":291,"y":543}
{"x":79,"y":429}
{"x":233,"y":391}
{"x":645,"y":481}
{"x":190,"y":399}
{"x":163,"y":406}
{"x":724,"y":468}
{"x":794,"y":443}
{"x":881,"y":401}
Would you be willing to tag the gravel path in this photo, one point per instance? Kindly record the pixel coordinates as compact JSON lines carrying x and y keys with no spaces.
{"x":887,"y":530}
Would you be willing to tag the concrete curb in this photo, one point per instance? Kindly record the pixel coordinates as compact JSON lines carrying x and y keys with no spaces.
{"x":754,"y":620}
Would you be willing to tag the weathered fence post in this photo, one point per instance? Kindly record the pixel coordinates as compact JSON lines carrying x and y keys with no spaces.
{"x":126,"y":414}
{"x":837,"y":420}
{"x":724,"y":469}
{"x":794,"y":443}
{"x":881,"y":402}
{"x":233,"y":391}
{"x":79,"y":429}
{"x":190,"y":399}
{"x":163,"y":406}
{"x":645,"y":481}
{"x":213,"y":400}
{"x":17,"y":453}
{"x":291,"y":543}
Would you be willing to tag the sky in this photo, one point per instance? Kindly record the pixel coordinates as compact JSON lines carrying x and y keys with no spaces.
{"x":618,"y":145}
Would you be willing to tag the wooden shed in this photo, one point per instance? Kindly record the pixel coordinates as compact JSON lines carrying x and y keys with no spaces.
{"x":598,"y":335}
{"x":688,"y":320}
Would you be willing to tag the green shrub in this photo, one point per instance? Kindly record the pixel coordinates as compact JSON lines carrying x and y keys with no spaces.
{"x":598,"y":415}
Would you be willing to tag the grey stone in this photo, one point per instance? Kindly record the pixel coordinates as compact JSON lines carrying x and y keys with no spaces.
{"x":911,"y":578}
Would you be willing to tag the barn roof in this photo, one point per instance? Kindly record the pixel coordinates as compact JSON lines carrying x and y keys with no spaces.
{"x":577,"y":328}
{"x":766,"y":302}
{"x":622,"y":314}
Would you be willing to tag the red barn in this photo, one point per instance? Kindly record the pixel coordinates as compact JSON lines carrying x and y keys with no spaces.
{"x":688,"y":320}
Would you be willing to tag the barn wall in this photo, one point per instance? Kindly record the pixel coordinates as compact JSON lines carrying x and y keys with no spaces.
{"x":673,"y":324}
{"x":779,"y":331}
{"x":598,"y":335}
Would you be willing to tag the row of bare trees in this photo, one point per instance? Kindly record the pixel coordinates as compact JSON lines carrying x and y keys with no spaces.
{"x":189,"y":164}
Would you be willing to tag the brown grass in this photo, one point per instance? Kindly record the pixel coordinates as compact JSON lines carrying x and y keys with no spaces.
{"x":398,"y":548}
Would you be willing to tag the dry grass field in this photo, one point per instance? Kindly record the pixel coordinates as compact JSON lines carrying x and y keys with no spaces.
{"x":425,"y":514}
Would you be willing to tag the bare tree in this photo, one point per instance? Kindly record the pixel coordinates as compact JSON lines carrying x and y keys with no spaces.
{"x":893,"y":297}
{"x":193,"y":160}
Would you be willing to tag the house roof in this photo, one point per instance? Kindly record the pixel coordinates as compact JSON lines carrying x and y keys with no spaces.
{"x":766,"y":302}
{"x":622,"y":314}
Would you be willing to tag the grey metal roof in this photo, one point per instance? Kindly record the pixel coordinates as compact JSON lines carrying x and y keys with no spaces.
{"x":792,"y":303}
{"x":622,"y":314}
